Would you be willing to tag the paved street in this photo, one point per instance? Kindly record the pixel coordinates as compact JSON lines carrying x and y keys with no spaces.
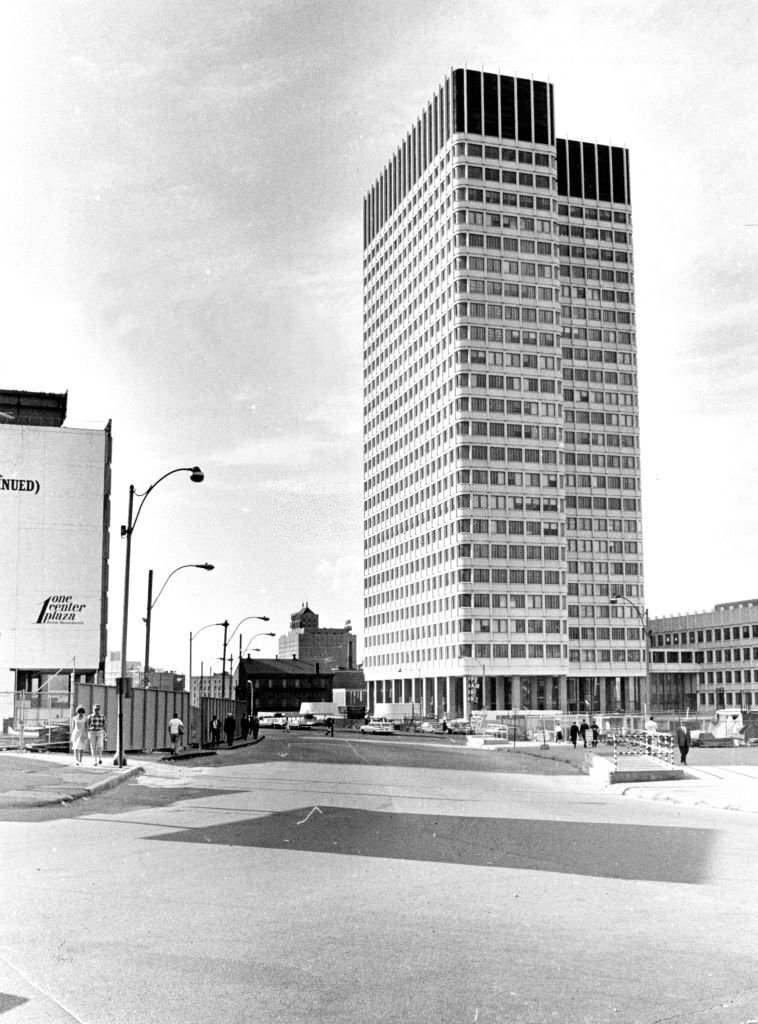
{"x":374,"y":879}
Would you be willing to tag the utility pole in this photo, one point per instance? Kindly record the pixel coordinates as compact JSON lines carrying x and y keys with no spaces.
{"x":148,"y":617}
{"x":225,"y":624}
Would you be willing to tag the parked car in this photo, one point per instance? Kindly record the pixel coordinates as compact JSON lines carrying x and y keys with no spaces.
{"x":301,"y":721}
{"x":378,"y":726}
{"x":429,"y":726}
{"x":272,"y":720}
{"x":459,"y":725}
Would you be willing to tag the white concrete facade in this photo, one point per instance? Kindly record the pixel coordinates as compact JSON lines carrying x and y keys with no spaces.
{"x":502,"y":507}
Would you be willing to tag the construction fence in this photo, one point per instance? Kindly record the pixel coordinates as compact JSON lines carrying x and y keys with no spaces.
{"x":43,"y":719}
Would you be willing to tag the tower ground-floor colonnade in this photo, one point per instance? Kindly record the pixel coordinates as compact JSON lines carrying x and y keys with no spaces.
{"x":457,"y":695}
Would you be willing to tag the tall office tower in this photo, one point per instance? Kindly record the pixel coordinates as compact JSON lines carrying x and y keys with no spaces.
{"x":502,"y":518}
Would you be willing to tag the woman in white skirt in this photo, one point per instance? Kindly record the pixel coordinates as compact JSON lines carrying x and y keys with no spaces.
{"x":79,"y":733}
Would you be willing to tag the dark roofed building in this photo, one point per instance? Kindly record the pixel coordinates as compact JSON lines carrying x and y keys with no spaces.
{"x":281,"y":684}
{"x":33,"y":408}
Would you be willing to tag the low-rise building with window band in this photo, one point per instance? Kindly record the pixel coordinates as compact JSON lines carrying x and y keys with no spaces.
{"x":703,"y":661}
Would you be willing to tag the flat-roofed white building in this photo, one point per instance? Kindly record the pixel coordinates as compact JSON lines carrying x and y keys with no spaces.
{"x":54,"y":529}
{"x":703,"y":661}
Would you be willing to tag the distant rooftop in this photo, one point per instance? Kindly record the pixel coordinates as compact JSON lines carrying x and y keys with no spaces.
{"x":32,"y":408}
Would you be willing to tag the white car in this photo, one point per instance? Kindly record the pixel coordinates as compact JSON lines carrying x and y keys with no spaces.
{"x":378,"y":727}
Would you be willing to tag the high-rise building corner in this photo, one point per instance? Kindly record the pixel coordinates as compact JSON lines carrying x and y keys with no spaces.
{"x":503,"y":558}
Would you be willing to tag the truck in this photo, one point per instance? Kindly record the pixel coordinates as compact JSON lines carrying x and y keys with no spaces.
{"x":320,"y":710}
{"x":725,"y":729}
{"x":397,"y":712}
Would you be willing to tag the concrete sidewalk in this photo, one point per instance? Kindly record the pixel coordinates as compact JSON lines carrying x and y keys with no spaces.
{"x":728,"y":786}
{"x":49,"y":779}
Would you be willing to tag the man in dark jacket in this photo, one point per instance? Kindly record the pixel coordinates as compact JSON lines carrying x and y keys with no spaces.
{"x":683,"y":741}
{"x":583,"y":732}
{"x":574,"y":732}
{"x":229,"y":728}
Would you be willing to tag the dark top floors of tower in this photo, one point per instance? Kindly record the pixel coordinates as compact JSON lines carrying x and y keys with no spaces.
{"x":520,"y":110}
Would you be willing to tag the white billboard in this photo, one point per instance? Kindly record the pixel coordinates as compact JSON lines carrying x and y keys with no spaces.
{"x":53,"y":548}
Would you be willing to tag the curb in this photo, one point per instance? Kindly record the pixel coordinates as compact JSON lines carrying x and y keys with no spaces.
{"x":37,"y":800}
{"x":189,"y":756}
{"x":111,"y":781}
{"x":696,"y":798}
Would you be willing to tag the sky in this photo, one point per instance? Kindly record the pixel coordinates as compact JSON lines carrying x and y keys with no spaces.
{"x":181,"y":188}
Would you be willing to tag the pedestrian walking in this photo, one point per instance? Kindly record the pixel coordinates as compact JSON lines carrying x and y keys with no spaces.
{"x":574,"y":733}
{"x":651,"y":734}
{"x":79,"y":733}
{"x":583,"y":729}
{"x":683,"y":742}
{"x":175,"y":732}
{"x":558,"y":733}
{"x":215,"y":731}
{"x":329,"y":727}
{"x":230,"y":726}
{"x":255,"y":725}
{"x":244,"y":725}
{"x":96,"y":734}
{"x":595,"y":733}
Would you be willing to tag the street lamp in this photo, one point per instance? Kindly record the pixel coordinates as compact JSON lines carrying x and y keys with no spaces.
{"x":152,"y":603}
{"x":643,"y":617}
{"x":252,"y":638}
{"x":228,"y":637}
{"x":191,"y":638}
{"x":239,"y":663}
{"x":196,"y":476}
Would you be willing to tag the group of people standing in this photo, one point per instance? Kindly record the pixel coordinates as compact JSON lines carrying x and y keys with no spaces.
{"x":582,"y":731}
{"x":249,"y":725}
{"x":577,"y":732}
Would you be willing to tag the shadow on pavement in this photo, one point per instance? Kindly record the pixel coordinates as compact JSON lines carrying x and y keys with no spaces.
{"x":651,"y":853}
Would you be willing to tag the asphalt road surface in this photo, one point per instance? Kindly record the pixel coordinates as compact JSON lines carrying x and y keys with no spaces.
{"x":373,"y":879}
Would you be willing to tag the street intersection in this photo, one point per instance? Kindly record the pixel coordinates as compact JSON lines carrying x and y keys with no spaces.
{"x":356,"y":879}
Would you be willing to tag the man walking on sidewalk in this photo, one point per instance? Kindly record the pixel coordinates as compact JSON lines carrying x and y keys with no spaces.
{"x":683,"y":742}
{"x":175,"y":732}
{"x":96,"y":734}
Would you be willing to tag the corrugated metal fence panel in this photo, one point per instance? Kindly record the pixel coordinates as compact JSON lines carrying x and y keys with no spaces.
{"x":210,"y":706}
{"x":146,"y":714}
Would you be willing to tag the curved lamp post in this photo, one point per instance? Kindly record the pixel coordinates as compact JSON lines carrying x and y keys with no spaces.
{"x":151,"y":603}
{"x":247,"y":618}
{"x":192,"y":637}
{"x":643,"y":617}
{"x":196,"y":476}
{"x":241,"y":655}
{"x":252,"y":638}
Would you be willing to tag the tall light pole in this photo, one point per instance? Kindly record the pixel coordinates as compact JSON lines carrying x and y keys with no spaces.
{"x":251,"y":640}
{"x":643,"y":617}
{"x":152,"y":603}
{"x":239,"y":663}
{"x":192,"y":636}
{"x":228,"y":637}
{"x":196,"y":476}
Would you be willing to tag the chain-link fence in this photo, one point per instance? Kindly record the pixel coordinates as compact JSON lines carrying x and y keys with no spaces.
{"x":42,"y":717}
